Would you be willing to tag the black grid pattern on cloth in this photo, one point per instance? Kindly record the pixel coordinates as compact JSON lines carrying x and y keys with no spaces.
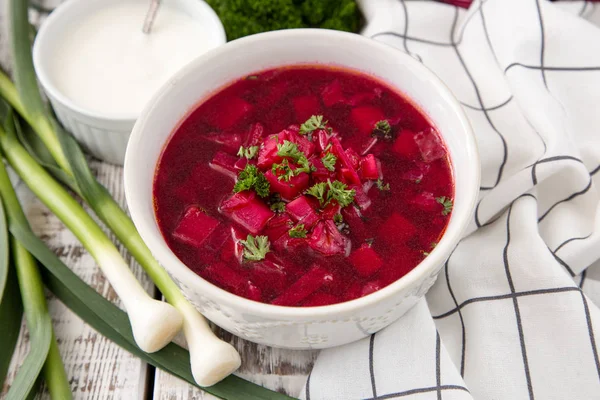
{"x":513,"y":295}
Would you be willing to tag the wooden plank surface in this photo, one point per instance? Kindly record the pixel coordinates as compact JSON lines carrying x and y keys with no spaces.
{"x":99,"y":369}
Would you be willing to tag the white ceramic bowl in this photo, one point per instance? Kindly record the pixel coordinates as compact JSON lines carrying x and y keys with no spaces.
{"x":296,"y":327}
{"x":104,"y":136}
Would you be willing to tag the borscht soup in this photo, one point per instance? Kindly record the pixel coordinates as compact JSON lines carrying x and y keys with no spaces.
{"x":304,"y":186}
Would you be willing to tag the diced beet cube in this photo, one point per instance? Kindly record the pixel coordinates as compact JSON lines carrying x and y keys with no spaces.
{"x":353,"y":218}
{"x":302,"y":210}
{"x":230,"y":141}
{"x":253,"y":292}
{"x":230,"y":112}
{"x":426,"y":201}
{"x":365,"y":118}
{"x":340,"y":153}
{"x":361,"y":199}
{"x":320,"y":299}
{"x":371,"y":287}
{"x":277,"y":226}
{"x":369,"y":167}
{"x":323,"y":139}
{"x":397,"y":229}
{"x":217,"y":238}
{"x":332,"y":94}
{"x":320,"y":174}
{"x":309,"y":283}
{"x":237,"y":200}
{"x":353,"y":157}
{"x":306,"y":106}
{"x":329,"y":211}
{"x":225,"y":164}
{"x":365,"y":260}
{"x":241,"y":163}
{"x":267,"y":155}
{"x":195,"y":227}
{"x":255,"y":135}
{"x":225,"y":277}
{"x":267,"y":275}
{"x":327,"y":240}
{"x":289,"y":244}
{"x":304,"y":145}
{"x":366,"y":97}
{"x":253,"y":216}
{"x":430,"y":145}
{"x":405,"y":145}
{"x":290,"y":189}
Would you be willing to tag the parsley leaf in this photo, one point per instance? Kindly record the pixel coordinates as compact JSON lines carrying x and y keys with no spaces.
{"x":255,"y":248}
{"x":318,"y":190}
{"x":312,"y":124}
{"x":382,"y":130}
{"x":248,"y":152}
{"x":286,"y":171}
{"x":289,"y":149}
{"x":298,"y":231}
{"x":329,"y":161}
{"x":304,"y":166}
{"x":252,"y":178}
{"x":382,"y":186}
{"x":278,"y":207}
{"x":338,"y":192}
{"x":338,"y":219}
{"x":446,"y":202}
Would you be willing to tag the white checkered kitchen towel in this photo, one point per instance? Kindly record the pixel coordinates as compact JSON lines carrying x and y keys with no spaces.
{"x":507,"y":318}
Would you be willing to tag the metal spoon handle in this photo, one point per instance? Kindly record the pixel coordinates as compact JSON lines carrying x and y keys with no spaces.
{"x":150,"y":16}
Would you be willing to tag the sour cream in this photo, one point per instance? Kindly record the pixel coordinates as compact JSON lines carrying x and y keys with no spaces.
{"x":107,"y":65}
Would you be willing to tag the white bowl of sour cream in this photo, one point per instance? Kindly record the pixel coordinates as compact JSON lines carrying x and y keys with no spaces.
{"x":99,"y":69}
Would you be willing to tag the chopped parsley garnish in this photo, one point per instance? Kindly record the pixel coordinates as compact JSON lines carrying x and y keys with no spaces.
{"x":338,"y":219}
{"x":370,"y":241}
{"x":278,"y":207}
{"x":418,"y":181}
{"x":338,"y":192}
{"x":329,"y":161}
{"x":298,"y":231}
{"x":304,"y":166}
{"x":426,"y":253}
{"x":252,"y":178}
{"x":252,"y":77}
{"x":446,"y":202}
{"x":289,"y":149}
{"x":248,"y":152}
{"x":382,"y":186}
{"x":312,"y":124}
{"x":318,"y":190}
{"x":382,"y":130}
{"x":284,"y":168}
{"x":255,"y":248}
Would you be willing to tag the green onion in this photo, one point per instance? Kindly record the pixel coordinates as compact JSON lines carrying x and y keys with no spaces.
{"x":11,"y":309}
{"x":44,"y":350}
{"x":69,"y":157}
{"x":105,"y":317}
{"x":154,"y":323}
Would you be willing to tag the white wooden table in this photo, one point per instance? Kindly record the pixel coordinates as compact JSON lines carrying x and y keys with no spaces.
{"x":97,"y":368}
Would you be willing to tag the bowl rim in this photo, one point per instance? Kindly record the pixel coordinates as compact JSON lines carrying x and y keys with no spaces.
{"x":61,"y":14}
{"x":428,"y":267}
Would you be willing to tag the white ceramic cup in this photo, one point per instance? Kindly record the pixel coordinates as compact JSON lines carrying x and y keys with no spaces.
{"x":104,"y":136}
{"x":296,"y":327}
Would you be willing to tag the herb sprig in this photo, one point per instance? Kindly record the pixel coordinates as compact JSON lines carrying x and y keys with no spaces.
{"x":446,"y":202}
{"x":325,"y":192}
{"x":255,"y":248}
{"x":298,"y":231}
{"x":312,"y":124}
{"x":248,"y":152}
{"x":252,"y":178}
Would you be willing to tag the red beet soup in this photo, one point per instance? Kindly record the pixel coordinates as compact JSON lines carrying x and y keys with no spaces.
{"x":304,"y":186}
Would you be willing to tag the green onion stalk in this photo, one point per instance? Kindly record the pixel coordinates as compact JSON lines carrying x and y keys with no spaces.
{"x":153,"y":322}
{"x":43,"y":354}
{"x":211,"y":359}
